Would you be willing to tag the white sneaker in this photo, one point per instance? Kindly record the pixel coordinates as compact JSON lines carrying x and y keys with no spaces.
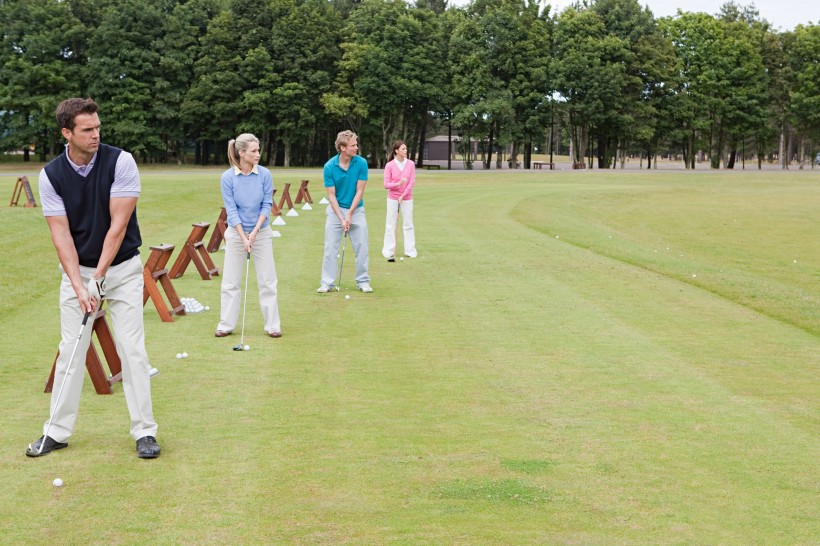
{"x":365,"y":287}
{"x":325,"y":288}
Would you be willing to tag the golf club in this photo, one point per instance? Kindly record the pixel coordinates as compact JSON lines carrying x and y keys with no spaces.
{"x":396,"y":234}
{"x":241,"y":346}
{"x":62,"y":385}
{"x":341,"y":264}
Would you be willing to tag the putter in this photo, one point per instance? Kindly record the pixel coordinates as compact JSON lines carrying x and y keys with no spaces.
{"x":241,"y":346}
{"x":341,"y":264}
{"x":62,"y":385}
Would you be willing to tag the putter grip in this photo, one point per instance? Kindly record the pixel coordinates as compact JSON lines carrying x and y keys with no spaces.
{"x":85,"y":317}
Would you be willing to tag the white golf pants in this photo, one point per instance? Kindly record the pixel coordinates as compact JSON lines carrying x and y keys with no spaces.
{"x":389,"y":248}
{"x":233,"y":272}
{"x":123,"y":301}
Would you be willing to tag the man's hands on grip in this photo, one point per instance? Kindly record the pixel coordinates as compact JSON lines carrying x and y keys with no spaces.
{"x":96,"y":288}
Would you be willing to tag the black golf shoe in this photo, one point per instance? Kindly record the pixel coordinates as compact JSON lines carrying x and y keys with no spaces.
{"x":147,"y":448}
{"x":49,"y":445}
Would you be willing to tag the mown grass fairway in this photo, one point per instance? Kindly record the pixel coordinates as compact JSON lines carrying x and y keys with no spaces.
{"x":574,"y":358}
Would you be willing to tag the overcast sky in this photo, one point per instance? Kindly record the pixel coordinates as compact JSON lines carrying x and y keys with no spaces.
{"x":782,"y":14}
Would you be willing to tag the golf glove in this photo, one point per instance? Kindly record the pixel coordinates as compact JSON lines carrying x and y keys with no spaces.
{"x":96,"y":288}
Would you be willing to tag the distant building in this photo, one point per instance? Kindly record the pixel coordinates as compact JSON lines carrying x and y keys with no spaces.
{"x":435,"y":148}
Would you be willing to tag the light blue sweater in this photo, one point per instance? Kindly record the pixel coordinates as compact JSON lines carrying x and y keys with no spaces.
{"x":246,"y":197}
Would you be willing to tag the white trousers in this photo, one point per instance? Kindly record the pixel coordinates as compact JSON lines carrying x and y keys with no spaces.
{"x":123,"y":300}
{"x":233,"y":273}
{"x":389,"y":248}
{"x":333,"y":239}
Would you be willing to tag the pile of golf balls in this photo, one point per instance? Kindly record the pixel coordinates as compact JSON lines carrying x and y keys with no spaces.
{"x":182,"y":355}
{"x":193,"y":306}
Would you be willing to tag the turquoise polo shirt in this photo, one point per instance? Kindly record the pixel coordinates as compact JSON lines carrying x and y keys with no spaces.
{"x":345,"y":180}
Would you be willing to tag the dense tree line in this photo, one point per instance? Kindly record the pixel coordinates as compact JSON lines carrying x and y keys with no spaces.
{"x":603,"y":78}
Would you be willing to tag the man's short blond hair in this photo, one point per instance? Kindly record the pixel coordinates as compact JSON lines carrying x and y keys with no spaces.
{"x":344,"y":138}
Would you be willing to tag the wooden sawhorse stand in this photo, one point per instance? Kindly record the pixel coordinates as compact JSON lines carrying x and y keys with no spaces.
{"x":274,"y":210}
{"x":21,"y":185}
{"x":102,"y":383}
{"x":303,"y":193}
{"x":154,"y":271}
{"x":219,"y":232}
{"x":195,"y":251}
{"x":285,"y":198}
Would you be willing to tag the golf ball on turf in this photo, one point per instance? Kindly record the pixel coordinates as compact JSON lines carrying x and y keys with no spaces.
{"x":179,"y":355}
{"x":247,"y":347}
{"x":401,"y":259}
{"x":207,"y":308}
{"x":347,"y":297}
{"x":184,"y":355}
{"x":57,"y":482}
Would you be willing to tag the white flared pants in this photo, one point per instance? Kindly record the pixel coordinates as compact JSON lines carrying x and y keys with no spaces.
{"x":389,"y":248}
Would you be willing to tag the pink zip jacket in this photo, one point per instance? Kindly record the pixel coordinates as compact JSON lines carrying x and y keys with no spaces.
{"x":392,"y":180}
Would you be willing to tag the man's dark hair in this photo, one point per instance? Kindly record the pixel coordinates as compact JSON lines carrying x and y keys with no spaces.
{"x":71,"y":108}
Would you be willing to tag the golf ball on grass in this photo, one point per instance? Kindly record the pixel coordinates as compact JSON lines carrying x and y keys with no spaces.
{"x":347,"y":297}
{"x":184,"y":355}
{"x":401,"y":259}
{"x":247,"y":347}
{"x":57,"y":482}
{"x":179,"y":355}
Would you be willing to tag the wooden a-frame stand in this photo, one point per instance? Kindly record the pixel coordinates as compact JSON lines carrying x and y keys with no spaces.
{"x":285,"y":198}
{"x":219,"y":232}
{"x":22,"y":185}
{"x":303,"y":194}
{"x":274,"y":209}
{"x":154,"y":271}
{"x":194,"y":251}
{"x":102,"y":382}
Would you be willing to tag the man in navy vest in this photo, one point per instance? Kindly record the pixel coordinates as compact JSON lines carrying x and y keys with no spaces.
{"x":89,"y":198}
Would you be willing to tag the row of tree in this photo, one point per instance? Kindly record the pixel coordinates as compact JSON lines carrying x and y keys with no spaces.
{"x":170,"y":75}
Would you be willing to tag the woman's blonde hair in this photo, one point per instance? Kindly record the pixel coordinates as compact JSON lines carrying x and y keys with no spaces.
{"x":239,"y":144}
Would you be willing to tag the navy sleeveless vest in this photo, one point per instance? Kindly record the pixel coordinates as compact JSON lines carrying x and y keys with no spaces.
{"x":86,"y":200}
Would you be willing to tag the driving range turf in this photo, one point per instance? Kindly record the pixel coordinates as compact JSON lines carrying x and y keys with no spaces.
{"x":574,"y":358}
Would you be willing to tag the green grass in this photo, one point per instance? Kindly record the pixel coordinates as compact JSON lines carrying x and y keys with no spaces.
{"x":574,"y":358}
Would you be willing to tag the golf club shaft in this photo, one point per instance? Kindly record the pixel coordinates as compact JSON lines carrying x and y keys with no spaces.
{"x":245,"y":305}
{"x":396,"y":227}
{"x":65,"y":377}
{"x":342,"y":263}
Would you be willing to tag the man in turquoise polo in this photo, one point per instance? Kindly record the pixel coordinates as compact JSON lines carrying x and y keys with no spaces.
{"x":345,"y":178}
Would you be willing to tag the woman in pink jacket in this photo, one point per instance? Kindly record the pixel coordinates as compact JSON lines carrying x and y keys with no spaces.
{"x":399,"y":179}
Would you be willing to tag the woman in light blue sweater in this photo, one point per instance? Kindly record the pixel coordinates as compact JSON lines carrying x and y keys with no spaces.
{"x":247,"y":191}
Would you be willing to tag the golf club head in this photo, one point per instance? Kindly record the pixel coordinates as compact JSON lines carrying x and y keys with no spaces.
{"x":238,"y":347}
